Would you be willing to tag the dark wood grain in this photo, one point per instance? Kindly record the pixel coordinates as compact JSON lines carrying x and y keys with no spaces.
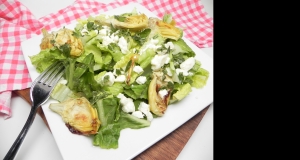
{"x":170,"y":146}
{"x":167,"y":148}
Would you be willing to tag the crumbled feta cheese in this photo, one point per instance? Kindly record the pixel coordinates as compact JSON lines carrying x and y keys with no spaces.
{"x":128,"y":107}
{"x":121,"y":96}
{"x":167,"y":60}
{"x":111,"y":79}
{"x":138,"y":69}
{"x":127,"y":103}
{"x":151,"y":45}
{"x":144,"y":108}
{"x":149,"y":116}
{"x":84,"y":31}
{"x":106,"y":40}
{"x":120,"y":78}
{"x":162,"y":52}
{"x":169,"y":44}
{"x":188,"y":64}
{"x":154,"y":41}
{"x":158,"y":61}
{"x":137,"y":114}
{"x":169,"y":72}
{"x":123,"y":45}
{"x":103,"y":32}
{"x":106,"y":27}
{"x":184,"y":72}
{"x":162,"y":93}
{"x":110,"y":39}
{"x":141,"y":79}
{"x":114,"y":37}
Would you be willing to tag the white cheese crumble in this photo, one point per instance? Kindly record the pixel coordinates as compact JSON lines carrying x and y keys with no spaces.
{"x":149,"y":116}
{"x":104,"y":32}
{"x":184,"y":72}
{"x":111,"y":78}
{"x":141,"y":79}
{"x":84,"y":31}
{"x":138,"y":69}
{"x":137,"y":114}
{"x":123,"y":45}
{"x":106,"y":27}
{"x":158,"y":61}
{"x":151,"y":45}
{"x":188,"y":64}
{"x":120,"y":78}
{"x":162,"y":93}
{"x":127,"y":103}
{"x":154,"y":41}
{"x":169,"y":44}
{"x":162,"y":52}
{"x":145,"y":108}
{"x":169,"y":72}
{"x":110,"y":39}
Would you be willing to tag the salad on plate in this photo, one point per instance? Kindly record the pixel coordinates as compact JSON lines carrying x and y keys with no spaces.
{"x":122,"y":71}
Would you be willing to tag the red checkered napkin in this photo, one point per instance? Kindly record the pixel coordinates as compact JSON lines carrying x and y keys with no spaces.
{"x":18,"y":24}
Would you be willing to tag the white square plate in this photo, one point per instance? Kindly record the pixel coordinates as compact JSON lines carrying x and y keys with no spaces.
{"x":132,"y":142}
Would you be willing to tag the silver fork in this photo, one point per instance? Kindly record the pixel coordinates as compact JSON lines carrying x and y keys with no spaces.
{"x":40,"y":91}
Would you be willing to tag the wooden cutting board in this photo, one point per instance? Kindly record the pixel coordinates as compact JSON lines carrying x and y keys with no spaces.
{"x":167,"y":148}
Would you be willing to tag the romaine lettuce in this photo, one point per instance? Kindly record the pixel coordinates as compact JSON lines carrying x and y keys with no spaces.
{"x":45,"y":58}
{"x":113,"y":120}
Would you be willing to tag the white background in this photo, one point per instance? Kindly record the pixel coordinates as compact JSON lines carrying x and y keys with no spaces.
{"x":39,"y":142}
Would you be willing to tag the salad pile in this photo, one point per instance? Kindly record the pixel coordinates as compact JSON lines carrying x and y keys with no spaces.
{"x":122,"y":71}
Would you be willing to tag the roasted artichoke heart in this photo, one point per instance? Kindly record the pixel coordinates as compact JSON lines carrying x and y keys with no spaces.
{"x":78,"y":114}
{"x":158,"y":105}
{"x":165,"y":29}
{"x":132,"y":22}
{"x":62,"y":37}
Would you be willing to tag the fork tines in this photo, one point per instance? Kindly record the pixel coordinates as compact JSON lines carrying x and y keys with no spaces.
{"x":51,"y":75}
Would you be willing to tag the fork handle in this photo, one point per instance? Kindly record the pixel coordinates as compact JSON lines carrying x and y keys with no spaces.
{"x":18,"y":142}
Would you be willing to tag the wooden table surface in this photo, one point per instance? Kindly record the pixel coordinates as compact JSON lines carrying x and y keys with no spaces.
{"x":167,"y":148}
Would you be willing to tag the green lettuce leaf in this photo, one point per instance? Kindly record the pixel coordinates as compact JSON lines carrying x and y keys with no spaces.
{"x":181,"y":47}
{"x":137,"y":91}
{"x":128,"y":121}
{"x":182,"y":91}
{"x":200,"y":78}
{"x":61,"y":93}
{"x":145,"y":58}
{"x":123,"y":61}
{"x":113,"y":120}
{"x":115,"y":89}
{"x":45,"y":58}
{"x":108,"y":137}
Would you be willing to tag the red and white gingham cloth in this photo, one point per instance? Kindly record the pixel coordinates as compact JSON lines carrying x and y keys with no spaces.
{"x":18,"y":24}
